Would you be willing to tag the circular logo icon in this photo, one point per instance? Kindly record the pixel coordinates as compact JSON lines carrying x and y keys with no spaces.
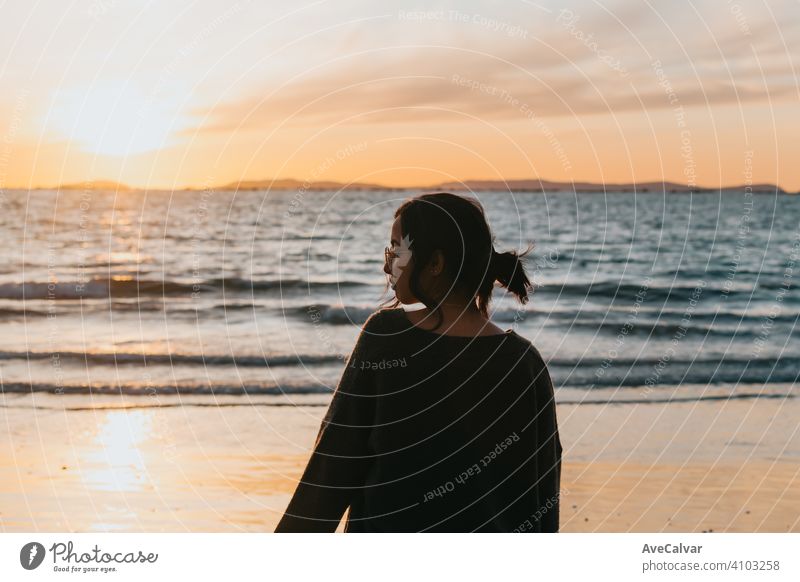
{"x":31,"y":555}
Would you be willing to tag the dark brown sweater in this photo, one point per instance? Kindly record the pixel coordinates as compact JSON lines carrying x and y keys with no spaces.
{"x":430,"y":432}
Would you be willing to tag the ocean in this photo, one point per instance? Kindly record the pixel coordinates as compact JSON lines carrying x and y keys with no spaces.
{"x":219,"y":296}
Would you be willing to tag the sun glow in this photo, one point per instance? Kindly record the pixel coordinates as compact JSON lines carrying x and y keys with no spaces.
{"x":115,"y":119}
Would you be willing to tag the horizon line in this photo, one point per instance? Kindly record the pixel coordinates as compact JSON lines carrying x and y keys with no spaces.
{"x":488,"y":185}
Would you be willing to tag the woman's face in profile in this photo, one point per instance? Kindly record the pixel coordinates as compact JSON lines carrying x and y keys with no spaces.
{"x":399,"y":264}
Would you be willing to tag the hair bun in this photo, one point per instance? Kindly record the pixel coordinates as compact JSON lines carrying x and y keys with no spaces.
{"x":508,"y":269}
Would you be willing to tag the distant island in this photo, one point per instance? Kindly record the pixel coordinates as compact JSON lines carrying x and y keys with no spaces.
{"x":532,"y":185}
{"x":540,"y":185}
{"x":93,"y":185}
{"x":292,"y":184}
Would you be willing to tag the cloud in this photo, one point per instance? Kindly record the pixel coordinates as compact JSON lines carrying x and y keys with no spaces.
{"x":352,"y":96}
{"x":564,"y":68}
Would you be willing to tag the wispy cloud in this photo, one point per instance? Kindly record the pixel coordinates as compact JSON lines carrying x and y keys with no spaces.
{"x":563,"y":68}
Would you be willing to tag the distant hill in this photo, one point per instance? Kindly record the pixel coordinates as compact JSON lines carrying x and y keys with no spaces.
{"x":546,"y":185}
{"x":95,"y":185}
{"x":532,"y":185}
{"x":292,"y":184}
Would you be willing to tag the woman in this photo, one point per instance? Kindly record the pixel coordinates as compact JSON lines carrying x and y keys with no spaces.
{"x":441,"y":420}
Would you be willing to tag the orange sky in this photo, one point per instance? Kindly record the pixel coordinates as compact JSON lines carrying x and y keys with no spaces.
{"x":171,"y":95}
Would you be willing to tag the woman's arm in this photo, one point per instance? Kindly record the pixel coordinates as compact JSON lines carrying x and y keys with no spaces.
{"x":339,"y":462}
{"x":548,"y":454}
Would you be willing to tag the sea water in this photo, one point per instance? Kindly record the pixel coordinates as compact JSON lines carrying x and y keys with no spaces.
{"x":645,"y":297}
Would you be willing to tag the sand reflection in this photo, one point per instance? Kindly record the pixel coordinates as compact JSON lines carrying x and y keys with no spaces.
{"x":117,"y":463}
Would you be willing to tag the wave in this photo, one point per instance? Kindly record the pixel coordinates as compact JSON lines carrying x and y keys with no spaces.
{"x":128,"y":358}
{"x":628,"y":373}
{"x":165,"y":389}
{"x":585,"y":378}
{"x":608,"y":320}
{"x":10,"y":312}
{"x":249,"y":403}
{"x":662,"y":329}
{"x":624,"y":291}
{"x":790,"y":361}
{"x":586,"y":373}
{"x":132,"y":287}
{"x":99,"y":287}
{"x":708,"y":398}
{"x":215,"y":404}
{"x":753,"y":316}
{"x":150,"y":305}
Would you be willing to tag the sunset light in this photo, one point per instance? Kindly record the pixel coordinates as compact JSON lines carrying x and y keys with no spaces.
{"x":114,"y":119}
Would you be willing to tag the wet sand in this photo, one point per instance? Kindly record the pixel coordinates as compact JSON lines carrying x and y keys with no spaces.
{"x":706,"y":466}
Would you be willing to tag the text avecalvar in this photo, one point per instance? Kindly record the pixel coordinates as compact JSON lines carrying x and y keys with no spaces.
{"x":671,"y":549}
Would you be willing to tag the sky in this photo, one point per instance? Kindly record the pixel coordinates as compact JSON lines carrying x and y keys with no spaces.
{"x":196,"y":94}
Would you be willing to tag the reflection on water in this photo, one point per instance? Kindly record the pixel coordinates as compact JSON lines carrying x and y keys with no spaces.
{"x":117,"y":464}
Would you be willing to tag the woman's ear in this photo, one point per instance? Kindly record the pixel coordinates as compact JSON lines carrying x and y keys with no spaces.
{"x":436,"y":263}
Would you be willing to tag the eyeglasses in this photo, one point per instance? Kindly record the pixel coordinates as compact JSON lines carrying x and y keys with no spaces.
{"x":389,"y":254}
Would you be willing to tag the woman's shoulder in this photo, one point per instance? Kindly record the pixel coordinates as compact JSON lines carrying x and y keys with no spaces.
{"x":536,"y":356}
{"x":383,"y":321}
{"x":528,"y":350}
{"x":382,"y":316}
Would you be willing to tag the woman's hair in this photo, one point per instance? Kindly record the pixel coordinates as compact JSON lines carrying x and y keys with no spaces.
{"x":457,"y":227}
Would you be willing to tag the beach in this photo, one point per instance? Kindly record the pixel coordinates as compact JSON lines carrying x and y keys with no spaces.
{"x":231,"y":466}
